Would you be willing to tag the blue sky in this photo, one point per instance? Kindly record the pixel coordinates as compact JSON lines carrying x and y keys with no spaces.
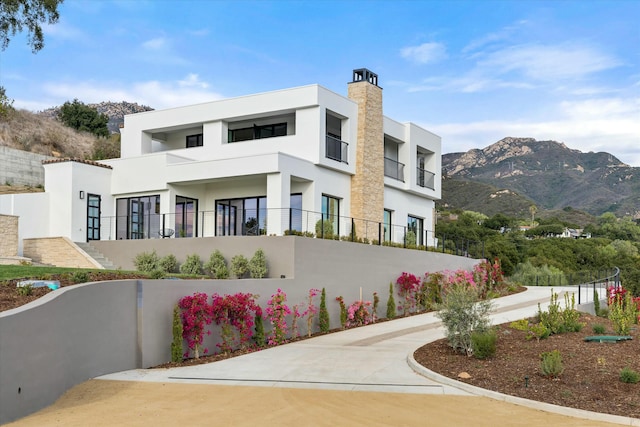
{"x":472,"y":72}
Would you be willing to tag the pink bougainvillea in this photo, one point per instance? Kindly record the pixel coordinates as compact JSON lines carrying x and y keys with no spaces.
{"x":277,"y":312}
{"x":408,"y":287}
{"x":196,"y":313}
{"x":359,"y":314}
{"x":237,"y":312}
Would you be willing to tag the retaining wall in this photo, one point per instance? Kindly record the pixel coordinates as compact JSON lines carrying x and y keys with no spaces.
{"x":19,"y":167}
{"x":80,"y":332}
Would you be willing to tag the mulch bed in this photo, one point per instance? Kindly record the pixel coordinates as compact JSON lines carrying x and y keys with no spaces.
{"x":590,"y":380}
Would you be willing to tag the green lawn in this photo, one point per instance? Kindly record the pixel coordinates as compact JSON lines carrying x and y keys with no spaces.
{"x":8,"y":272}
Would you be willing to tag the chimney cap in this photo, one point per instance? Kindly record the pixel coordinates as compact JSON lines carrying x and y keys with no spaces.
{"x":363,"y":74}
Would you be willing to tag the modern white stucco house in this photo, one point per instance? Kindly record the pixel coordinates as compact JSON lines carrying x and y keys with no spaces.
{"x":296,"y":159}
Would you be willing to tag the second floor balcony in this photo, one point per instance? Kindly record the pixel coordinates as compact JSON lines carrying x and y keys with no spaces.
{"x":426,"y":179}
{"x":393,"y":169}
{"x":337,"y":150}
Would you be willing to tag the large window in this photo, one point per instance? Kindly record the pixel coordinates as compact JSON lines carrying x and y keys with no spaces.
{"x":194,"y":140}
{"x":387,"y":225}
{"x":415,"y":225}
{"x":241,"y":217}
{"x":330,"y":215}
{"x":138,"y":217}
{"x":257,"y":132}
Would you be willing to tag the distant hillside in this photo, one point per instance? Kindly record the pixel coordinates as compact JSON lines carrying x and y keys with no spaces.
{"x":547,"y":173}
{"x":27,"y":131}
{"x":42,"y":133}
{"x":114,"y":110}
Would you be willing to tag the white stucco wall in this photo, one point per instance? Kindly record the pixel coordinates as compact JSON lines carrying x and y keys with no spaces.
{"x":33,"y":212}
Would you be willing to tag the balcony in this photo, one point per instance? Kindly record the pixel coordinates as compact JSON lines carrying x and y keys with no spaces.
{"x":337,"y":150}
{"x":426,"y":179}
{"x":393,"y":169}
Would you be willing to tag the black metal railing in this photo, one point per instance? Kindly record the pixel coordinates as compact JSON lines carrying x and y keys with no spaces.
{"x":599,"y":285}
{"x":393,"y":169}
{"x":426,"y":179}
{"x":337,"y":149}
{"x":275,"y":221}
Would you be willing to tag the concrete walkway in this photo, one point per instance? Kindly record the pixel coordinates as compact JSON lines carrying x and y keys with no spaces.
{"x":373,"y":358}
{"x":361,"y":376}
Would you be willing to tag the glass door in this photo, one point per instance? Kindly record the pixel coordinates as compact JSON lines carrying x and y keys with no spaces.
{"x":93,"y":217}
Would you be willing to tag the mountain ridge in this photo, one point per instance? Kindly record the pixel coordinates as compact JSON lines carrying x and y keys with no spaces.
{"x":550,"y":174}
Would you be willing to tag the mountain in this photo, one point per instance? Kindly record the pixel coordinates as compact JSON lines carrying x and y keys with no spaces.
{"x":114,"y":110}
{"x":507,"y":175}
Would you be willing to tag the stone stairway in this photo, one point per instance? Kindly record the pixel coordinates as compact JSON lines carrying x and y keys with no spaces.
{"x":97,"y":256}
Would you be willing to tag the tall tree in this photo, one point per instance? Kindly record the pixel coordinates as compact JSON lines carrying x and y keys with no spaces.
{"x":81,"y":117}
{"x":16,"y":15}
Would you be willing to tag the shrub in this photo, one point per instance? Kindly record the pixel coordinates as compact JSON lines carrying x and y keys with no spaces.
{"x":176,"y":344}
{"x":239,"y":266}
{"x":192,"y":265}
{"x":258,"y":337}
{"x":623,"y":313}
{"x":343,"y":312}
{"x":25,"y":290}
{"x":538,"y":331}
{"x":217,"y":266}
{"x":628,"y":375}
{"x":323,"y":317}
{"x":156,"y":274}
{"x":599,"y":329}
{"x":258,"y":265}
{"x":374,"y":311}
{"x":596,"y":302}
{"x":462,"y":313}
{"x":146,"y":261}
{"x":483,"y":344}
{"x":80,"y":277}
{"x":324,"y":229}
{"x":410,"y":238}
{"x":520,"y":325}
{"x":391,"y":303}
{"x":168,"y":264}
{"x":551,"y":364}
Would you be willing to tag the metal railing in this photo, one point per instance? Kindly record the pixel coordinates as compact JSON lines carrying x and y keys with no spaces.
{"x":337,"y":149}
{"x":393,"y":169}
{"x":600,"y":285}
{"x":426,"y":179}
{"x":252,"y":222}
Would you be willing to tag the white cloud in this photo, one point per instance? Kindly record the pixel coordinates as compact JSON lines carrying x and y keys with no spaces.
{"x":155,"y":44}
{"x":193,"y":80}
{"x":491,"y":38}
{"x":424,"y":53}
{"x":548,"y":62}
{"x":156,"y":94}
{"x":595,"y":125}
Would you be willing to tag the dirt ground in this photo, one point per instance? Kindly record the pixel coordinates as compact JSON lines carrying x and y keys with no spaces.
{"x":109,"y":403}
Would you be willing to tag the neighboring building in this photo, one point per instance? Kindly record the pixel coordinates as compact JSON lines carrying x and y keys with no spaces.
{"x":303,"y":159}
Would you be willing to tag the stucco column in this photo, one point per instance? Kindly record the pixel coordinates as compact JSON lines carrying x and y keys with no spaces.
{"x":278,"y":202}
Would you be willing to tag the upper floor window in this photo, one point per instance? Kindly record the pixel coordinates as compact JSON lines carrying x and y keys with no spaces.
{"x":194,"y":140}
{"x":257,"y":132}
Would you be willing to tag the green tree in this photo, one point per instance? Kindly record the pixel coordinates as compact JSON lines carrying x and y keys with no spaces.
{"x":6,"y":104}
{"x":80,"y":116}
{"x":16,"y":15}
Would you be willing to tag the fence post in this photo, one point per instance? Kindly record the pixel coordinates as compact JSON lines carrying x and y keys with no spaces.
{"x":380,"y":233}
{"x":353,"y":228}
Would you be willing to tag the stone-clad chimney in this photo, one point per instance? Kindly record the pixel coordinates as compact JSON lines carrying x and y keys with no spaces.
{"x":367,"y":185}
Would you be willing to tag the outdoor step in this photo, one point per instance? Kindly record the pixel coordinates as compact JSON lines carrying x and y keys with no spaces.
{"x":97,"y":256}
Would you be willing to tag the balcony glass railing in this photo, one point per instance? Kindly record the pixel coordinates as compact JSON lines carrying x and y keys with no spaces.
{"x":337,"y":150}
{"x":426,"y":179}
{"x":393,"y":169}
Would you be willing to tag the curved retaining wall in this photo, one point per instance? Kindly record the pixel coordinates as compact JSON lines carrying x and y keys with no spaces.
{"x":80,"y":332}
